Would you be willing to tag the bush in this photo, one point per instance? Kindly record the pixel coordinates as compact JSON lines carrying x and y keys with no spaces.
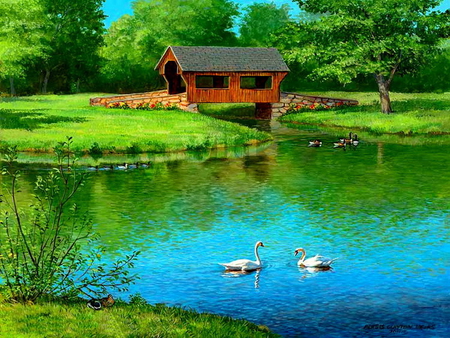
{"x":42,"y":248}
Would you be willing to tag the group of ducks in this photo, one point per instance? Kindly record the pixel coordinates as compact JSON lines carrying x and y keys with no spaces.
{"x":343,"y":142}
{"x":249,"y":265}
{"x":124,"y":166}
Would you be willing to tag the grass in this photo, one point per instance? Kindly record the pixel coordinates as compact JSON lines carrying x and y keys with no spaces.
{"x":414,"y":114}
{"x":228,"y":110}
{"x":121,"y":320}
{"x":36,"y":123}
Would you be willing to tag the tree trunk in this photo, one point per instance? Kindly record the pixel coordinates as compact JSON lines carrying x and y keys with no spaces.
{"x":383,"y":89}
{"x":77,"y":90}
{"x":11,"y":84}
{"x":45,"y":83}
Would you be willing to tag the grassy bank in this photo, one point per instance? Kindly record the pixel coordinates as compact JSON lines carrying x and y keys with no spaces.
{"x":121,"y":320}
{"x":228,"y":110}
{"x":415,"y":114}
{"x":36,"y":123}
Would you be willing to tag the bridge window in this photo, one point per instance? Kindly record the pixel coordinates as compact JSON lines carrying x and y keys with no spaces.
{"x":256,"y":82}
{"x":209,"y":81}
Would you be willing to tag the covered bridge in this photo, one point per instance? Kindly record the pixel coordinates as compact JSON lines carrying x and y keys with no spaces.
{"x":223,"y":74}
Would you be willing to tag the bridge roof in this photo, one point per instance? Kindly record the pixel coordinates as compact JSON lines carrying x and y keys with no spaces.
{"x":227,"y":59}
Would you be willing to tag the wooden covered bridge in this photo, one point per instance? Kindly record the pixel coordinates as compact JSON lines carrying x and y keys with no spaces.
{"x":222,"y":74}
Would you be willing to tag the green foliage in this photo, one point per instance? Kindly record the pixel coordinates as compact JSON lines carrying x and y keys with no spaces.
{"x":432,"y":77}
{"x":56,"y":39}
{"x":378,"y":37}
{"x":73,"y":35}
{"x":20,"y":37}
{"x":135,"y":43}
{"x":95,"y":149}
{"x":259,"y":21}
{"x":49,"y":249}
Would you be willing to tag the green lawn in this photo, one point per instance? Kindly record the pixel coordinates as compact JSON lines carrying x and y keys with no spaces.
{"x":414,"y":114}
{"x":36,"y":123}
{"x":121,"y":320}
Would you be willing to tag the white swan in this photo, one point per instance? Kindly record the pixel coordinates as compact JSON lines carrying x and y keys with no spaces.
{"x":313,"y":262}
{"x":245,"y":264}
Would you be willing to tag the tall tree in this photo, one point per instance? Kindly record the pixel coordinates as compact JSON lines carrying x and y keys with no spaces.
{"x":359,"y":37}
{"x":259,"y":21}
{"x":74,"y":33}
{"x":21,"y":23}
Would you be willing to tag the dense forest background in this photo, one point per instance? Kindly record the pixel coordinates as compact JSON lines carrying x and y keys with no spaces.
{"x":62,"y":46}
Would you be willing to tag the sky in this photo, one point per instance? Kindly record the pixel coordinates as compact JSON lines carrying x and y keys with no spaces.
{"x":114,"y":9}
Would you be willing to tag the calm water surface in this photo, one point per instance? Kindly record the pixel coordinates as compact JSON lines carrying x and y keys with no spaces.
{"x":382,"y":209}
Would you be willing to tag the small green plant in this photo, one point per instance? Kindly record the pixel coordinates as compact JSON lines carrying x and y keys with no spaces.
{"x":43,"y":249}
{"x":134,"y":149}
{"x":95,"y":149}
{"x":137,"y":300}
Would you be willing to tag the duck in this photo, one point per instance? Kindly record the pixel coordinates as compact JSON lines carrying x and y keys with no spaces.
{"x":93,"y":168}
{"x":144,"y":165}
{"x":355,"y":140}
{"x":339,"y":144}
{"x":313,"y":262}
{"x":97,"y":304}
{"x":133,"y":166}
{"x":94,"y":304}
{"x":315,"y":143}
{"x":245,"y":264}
{"x":123,"y":167}
{"x":348,"y":140}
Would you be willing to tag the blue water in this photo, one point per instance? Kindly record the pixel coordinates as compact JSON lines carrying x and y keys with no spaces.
{"x":381,"y":209}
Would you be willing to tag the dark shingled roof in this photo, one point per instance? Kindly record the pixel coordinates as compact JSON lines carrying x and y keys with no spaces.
{"x":226,"y":59}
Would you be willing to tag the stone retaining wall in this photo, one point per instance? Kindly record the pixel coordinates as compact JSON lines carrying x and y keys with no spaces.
{"x":156,"y":97}
{"x":297,"y":100}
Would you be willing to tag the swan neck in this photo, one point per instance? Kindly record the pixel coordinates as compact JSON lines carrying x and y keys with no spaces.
{"x":258,"y":260}
{"x":303,"y":254}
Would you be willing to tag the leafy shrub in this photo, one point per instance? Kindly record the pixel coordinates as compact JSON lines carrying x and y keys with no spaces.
{"x":95,"y":149}
{"x":42,"y":249}
{"x":134,"y":149}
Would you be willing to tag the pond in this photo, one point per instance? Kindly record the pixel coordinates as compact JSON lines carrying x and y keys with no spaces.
{"x":382,"y":209}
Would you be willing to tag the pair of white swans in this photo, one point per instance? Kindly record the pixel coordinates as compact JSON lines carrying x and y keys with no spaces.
{"x":249,"y":265}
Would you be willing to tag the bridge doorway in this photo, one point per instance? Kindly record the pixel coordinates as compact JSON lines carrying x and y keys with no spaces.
{"x":175,"y":83}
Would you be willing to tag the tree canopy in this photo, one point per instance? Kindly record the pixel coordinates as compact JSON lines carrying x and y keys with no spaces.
{"x":259,"y":21}
{"x":378,"y":37}
{"x":73,"y":34}
{"x":135,"y":42}
{"x":20,"y":37}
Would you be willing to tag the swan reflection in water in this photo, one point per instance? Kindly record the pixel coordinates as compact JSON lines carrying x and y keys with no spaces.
{"x":313,"y":272}
{"x":240,"y":273}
